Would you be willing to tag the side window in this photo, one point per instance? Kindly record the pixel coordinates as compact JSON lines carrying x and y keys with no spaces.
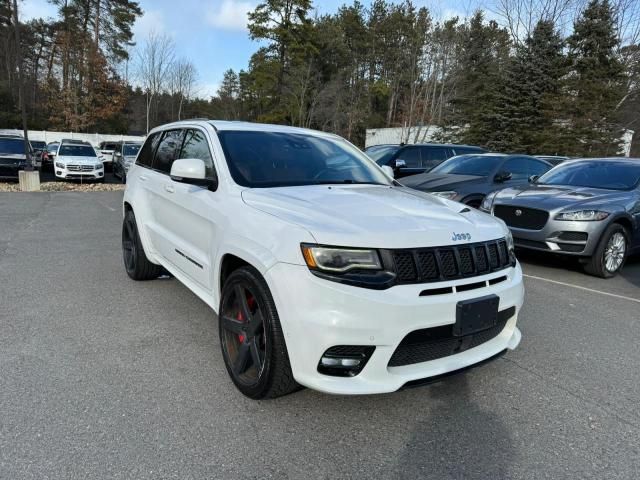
{"x":196,"y":146}
{"x":433,"y":156}
{"x":522,"y":168}
{"x":145,"y":158}
{"x":168,"y":150}
{"x":411,"y":156}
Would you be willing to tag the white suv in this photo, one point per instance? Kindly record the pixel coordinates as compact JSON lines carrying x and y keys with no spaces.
{"x":324,"y":271}
{"x":77,"y":161}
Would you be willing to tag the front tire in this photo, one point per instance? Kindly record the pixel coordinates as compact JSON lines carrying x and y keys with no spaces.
{"x":136,"y":263}
{"x":610,"y":254}
{"x":251,"y":338}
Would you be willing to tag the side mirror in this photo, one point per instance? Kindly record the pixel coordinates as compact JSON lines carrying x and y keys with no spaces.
{"x":502,"y":176}
{"x":533,"y":178}
{"x":191,"y":171}
{"x":399,"y":163}
{"x":388,"y":170}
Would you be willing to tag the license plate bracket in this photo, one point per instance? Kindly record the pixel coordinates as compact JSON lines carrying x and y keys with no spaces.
{"x":475,"y":315}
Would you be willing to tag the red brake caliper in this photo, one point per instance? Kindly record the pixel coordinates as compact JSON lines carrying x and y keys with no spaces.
{"x":250,"y":303}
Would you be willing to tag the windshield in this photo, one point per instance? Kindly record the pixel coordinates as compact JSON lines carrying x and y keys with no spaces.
{"x":77,"y":151}
{"x":277,"y":159}
{"x":52,"y":147}
{"x":10,"y":146}
{"x":382,"y":154}
{"x":38,"y":145}
{"x":130,"y":150}
{"x":594,"y":174}
{"x":478,"y":165}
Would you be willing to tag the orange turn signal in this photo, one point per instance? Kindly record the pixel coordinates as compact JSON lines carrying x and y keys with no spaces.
{"x":308,"y":257}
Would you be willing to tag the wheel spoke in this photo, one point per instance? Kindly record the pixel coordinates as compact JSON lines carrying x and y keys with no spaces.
{"x":241,"y":298}
{"x":232,"y":325}
{"x":256,"y":322}
{"x":256,"y":354}
{"x":127,"y":245}
{"x":240,"y":364}
{"x":129,"y":228}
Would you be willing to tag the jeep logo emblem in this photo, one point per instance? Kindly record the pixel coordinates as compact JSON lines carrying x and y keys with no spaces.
{"x":518,"y":212}
{"x":460,"y":236}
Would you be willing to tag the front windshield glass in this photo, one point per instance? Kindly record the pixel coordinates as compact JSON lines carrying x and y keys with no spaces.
{"x":11,"y":146}
{"x":77,"y":151}
{"x":52,"y":148}
{"x":130,"y":150}
{"x":382,"y":154}
{"x":278,"y":159}
{"x":605,"y":174}
{"x":478,"y":165}
{"x":38,"y":145}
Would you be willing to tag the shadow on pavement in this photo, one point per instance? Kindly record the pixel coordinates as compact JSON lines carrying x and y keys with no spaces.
{"x":459,"y":439}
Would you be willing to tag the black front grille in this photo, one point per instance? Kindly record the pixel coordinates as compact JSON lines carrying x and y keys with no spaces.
{"x":438,"y":342}
{"x":573,"y":236}
{"x":521,"y":217}
{"x":446,"y":263}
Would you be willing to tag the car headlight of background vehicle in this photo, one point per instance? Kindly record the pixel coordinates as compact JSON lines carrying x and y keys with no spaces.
{"x":449,"y":195}
{"x":487,"y":202}
{"x":340,"y":260}
{"x":582,"y":216}
{"x":60,"y":165}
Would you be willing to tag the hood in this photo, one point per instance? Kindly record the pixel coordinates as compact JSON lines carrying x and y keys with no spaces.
{"x":78,"y":160}
{"x":550,"y":197}
{"x":374,"y":215}
{"x":438,"y":182}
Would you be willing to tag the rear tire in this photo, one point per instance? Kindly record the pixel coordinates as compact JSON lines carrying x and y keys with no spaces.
{"x":136,"y":263}
{"x":610,"y":254}
{"x":253,"y":346}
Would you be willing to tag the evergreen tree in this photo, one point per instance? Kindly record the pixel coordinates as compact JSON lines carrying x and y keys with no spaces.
{"x":528,"y":101}
{"x":595,"y":84}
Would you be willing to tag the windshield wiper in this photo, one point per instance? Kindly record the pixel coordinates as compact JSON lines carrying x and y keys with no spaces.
{"x":345,"y":182}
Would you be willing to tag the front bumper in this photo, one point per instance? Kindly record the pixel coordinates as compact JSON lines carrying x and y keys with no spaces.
{"x":561,"y":237}
{"x":68,"y":174}
{"x":317,"y":314}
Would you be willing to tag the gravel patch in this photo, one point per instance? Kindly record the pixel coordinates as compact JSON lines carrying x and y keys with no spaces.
{"x":67,"y":187}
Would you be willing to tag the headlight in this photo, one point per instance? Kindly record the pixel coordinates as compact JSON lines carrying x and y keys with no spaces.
{"x":339,"y":260}
{"x":99,"y":166}
{"x":582,"y":216}
{"x":60,"y":165}
{"x":449,"y":195}
{"x":487,"y":202}
{"x":510,"y":244}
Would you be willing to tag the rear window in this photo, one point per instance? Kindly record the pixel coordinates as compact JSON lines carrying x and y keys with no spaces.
{"x":77,"y":151}
{"x":10,"y":146}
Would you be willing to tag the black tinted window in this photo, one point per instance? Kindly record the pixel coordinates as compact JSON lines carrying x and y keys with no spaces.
{"x":11,"y":146}
{"x":595,"y":174}
{"x":168,"y":150}
{"x":196,"y":146}
{"x":522,"y":168}
{"x":146,"y":154}
{"x":432,"y":156}
{"x":411,"y":156}
{"x":277,"y":159}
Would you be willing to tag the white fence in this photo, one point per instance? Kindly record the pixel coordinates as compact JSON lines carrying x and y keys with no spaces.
{"x":93,"y":138}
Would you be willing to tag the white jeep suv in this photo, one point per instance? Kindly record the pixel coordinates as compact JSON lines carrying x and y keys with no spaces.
{"x":323,"y":270}
{"x":77,"y":160}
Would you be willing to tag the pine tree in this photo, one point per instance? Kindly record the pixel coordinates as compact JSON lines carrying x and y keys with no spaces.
{"x":528,"y":100}
{"x":595,"y":84}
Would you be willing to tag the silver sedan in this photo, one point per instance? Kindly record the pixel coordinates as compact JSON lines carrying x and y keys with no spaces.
{"x":588,"y":208}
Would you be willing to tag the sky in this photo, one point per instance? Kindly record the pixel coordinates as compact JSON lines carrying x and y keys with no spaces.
{"x":213,"y":33}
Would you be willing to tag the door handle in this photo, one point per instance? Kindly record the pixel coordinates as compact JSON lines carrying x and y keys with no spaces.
{"x":169,"y":188}
{"x":143,"y":178}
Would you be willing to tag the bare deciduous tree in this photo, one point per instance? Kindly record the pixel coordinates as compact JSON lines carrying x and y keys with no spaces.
{"x":182,"y":79}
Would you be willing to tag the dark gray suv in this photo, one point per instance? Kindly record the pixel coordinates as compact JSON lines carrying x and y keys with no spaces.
{"x":586,"y":208}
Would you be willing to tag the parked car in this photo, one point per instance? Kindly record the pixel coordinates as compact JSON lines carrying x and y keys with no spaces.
{"x":77,"y":160}
{"x":553,"y":159}
{"x":38,"y":148}
{"x":469,"y":178}
{"x":323,"y":270}
{"x":123,"y":157}
{"x":12,"y":156}
{"x":107,"y":149}
{"x":413,"y":159}
{"x":585,"y":208}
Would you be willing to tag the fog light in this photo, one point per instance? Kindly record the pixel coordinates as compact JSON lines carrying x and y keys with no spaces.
{"x":344,"y":360}
{"x":58,"y":173}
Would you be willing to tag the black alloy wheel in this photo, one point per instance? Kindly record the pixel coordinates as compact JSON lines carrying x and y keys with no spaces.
{"x":136,"y":263}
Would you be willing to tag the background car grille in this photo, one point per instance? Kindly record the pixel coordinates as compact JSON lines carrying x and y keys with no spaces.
{"x":529,"y":218}
{"x":439,"y":342}
{"x":447,"y":263}
{"x":80,"y":168}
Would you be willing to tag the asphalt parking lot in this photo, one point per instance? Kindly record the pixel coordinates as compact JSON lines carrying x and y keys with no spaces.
{"x":103,"y":377}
